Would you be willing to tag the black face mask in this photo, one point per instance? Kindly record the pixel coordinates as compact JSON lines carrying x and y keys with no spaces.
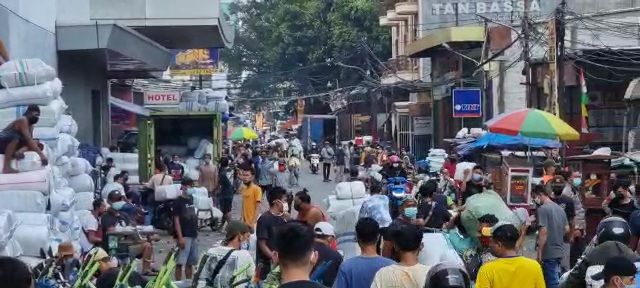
{"x":297,"y":207}
{"x":32,"y":119}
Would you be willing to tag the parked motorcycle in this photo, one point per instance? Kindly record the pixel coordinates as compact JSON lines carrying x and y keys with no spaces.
{"x":315,"y":163}
{"x":397,"y":189}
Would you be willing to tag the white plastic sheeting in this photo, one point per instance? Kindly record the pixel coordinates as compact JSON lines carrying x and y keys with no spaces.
{"x":25,"y":72}
{"x":41,"y":94}
{"x":350,"y":190}
{"x":84,"y":201}
{"x":167,"y":192}
{"x":23,"y":201}
{"x":38,"y":180}
{"x":30,"y":162}
{"x":81,"y":183}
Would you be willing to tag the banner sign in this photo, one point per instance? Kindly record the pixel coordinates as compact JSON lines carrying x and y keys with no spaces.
{"x":161,"y":98}
{"x":194,"y":61}
{"x":422,"y":125}
{"x":467,"y":103}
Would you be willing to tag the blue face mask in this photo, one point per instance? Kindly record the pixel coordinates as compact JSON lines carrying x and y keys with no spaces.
{"x":190,"y":191}
{"x":411,"y":212}
{"x":476,"y":177}
{"x":117,"y":205}
{"x":244,"y":245}
{"x":577,"y":182}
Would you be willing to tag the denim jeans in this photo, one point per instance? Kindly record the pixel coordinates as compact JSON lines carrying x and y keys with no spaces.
{"x":551,"y":271}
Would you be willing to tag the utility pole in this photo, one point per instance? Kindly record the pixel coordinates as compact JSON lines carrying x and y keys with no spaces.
{"x":525,"y":54}
{"x":560,"y":29}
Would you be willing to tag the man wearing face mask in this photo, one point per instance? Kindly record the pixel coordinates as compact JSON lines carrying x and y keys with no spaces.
{"x":185,"y":222}
{"x":618,"y":272}
{"x":17,"y":138}
{"x":234,"y":252}
{"x":509,"y":269}
{"x":268,"y":223}
{"x":408,"y":216}
{"x":472,"y":186}
{"x":394,"y":168}
{"x":572,"y":190}
{"x":619,"y":202}
{"x":208,"y":175}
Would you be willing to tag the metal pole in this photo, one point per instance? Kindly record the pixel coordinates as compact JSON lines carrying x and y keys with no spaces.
{"x":560,"y":29}
{"x":525,"y":54}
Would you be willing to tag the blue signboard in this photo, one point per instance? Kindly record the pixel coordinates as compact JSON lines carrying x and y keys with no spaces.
{"x":467,"y":103}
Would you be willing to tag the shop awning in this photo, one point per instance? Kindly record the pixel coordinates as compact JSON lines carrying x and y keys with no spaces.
{"x":125,"y":53}
{"x":131,"y":107}
{"x":463,"y":34}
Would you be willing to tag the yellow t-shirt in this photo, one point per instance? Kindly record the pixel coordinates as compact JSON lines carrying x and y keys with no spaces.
{"x":251,"y":197}
{"x":520,"y":272}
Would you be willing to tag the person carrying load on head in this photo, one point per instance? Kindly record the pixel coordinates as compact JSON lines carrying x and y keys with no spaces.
{"x":17,"y":138}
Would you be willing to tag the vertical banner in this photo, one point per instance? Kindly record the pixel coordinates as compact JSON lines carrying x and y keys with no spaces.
{"x":300,"y":110}
{"x":194,"y":61}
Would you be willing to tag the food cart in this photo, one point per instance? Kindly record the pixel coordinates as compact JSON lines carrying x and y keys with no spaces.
{"x":596,"y":171}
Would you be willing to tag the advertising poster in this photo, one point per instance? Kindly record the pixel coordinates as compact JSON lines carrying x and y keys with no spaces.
{"x":194,"y":61}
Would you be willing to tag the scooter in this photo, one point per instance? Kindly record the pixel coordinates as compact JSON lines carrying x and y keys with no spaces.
{"x":315,"y":163}
{"x":396,"y":191}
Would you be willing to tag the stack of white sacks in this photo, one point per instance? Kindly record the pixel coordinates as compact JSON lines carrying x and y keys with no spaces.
{"x":41,"y":199}
{"x":343,"y":208}
{"x":436,"y":159}
{"x":205,"y":100}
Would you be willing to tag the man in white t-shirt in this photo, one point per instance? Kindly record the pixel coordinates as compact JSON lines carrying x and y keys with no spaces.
{"x":408,"y":273}
{"x":92,"y":234}
{"x":238,"y":261}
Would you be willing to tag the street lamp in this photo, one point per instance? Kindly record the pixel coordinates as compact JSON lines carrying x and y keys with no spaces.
{"x":446,"y":46}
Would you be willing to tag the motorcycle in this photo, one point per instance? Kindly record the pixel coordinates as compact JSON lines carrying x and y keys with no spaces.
{"x":397,"y":189}
{"x":315,"y":163}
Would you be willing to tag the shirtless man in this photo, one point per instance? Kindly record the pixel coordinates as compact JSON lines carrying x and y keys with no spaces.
{"x":17,"y":138}
{"x":308,"y":213}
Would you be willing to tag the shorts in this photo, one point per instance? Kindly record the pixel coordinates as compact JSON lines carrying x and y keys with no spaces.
{"x":189,"y":255}
{"x":225,"y":204}
{"x":7,"y":136}
{"x":135,"y":250}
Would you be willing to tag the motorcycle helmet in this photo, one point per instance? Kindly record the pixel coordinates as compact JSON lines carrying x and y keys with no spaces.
{"x":394,"y":159}
{"x":613,"y":229}
{"x":313,"y":144}
{"x":447,"y":275}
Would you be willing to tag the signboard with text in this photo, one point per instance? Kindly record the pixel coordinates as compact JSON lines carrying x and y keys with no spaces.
{"x":194,"y":61}
{"x":422,"y":125}
{"x":161,"y":98}
{"x":467,"y":103}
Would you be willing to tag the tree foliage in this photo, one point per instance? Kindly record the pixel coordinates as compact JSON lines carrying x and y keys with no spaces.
{"x":291,"y":47}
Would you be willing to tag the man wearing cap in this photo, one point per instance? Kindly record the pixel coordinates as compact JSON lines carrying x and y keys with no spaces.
{"x":109,"y":271}
{"x":17,"y":138}
{"x":234,"y":251}
{"x":618,"y":272}
{"x":329,"y":260}
{"x":509,"y":269}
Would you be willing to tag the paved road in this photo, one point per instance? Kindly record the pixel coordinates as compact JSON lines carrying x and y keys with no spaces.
{"x":318,"y":190}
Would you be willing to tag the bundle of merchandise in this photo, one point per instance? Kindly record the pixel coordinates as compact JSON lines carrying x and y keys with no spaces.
{"x":460,"y":168}
{"x":125,"y":162}
{"x":9,"y":246}
{"x":346,"y":195}
{"x":344,"y":222}
{"x":191,"y":168}
{"x":82,"y":183}
{"x":436,"y":159}
{"x":203,"y":202}
{"x":205,"y":100}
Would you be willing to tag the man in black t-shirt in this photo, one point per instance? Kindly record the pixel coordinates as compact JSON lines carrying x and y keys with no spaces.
{"x":433,"y":206}
{"x":185,"y":222}
{"x":268,"y":222}
{"x":225,"y":194}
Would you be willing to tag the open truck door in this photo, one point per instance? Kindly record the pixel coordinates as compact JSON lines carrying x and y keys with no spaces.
{"x":146,"y":148}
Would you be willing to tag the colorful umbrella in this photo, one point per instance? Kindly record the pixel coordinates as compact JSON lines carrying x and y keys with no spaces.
{"x":532,"y":123}
{"x":243,"y":133}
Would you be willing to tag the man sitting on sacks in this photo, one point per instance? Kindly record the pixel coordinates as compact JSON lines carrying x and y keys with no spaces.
{"x":17,"y":138}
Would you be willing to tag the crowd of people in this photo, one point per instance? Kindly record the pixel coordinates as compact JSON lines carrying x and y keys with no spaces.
{"x":302,"y":251}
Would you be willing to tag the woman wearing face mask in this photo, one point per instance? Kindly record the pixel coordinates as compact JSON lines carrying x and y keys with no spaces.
{"x":233,"y":256}
{"x":473,"y":184}
{"x":408,"y":215}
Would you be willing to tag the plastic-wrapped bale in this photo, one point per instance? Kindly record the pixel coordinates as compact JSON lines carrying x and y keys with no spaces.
{"x":59,"y":180}
{"x":134,"y":179}
{"x":62,"y":199}
{"x":218,"y":106}
{"x":40,"y":94}
{"x":192,"y":162}
{"x":112,"y":173}
{"x":68,"y":145}
{"x":189,"y":107}
{"x":350,"y":190}
{"x":436,"y":249}
{"x":437,"y":152}
{"x":47,"y":135}
{"x":8,"y":225}
{"x":345,"y":223}
{"x":64,"y":165}
{"x":335,"y":206}
{"x":68,"y":125}
{"x":81,"y":183}
{"x":49,"y":114}
{"x":32,"y":238}
{"x":87,"y":166}
{"x":30,"y":162}
{"x":123,"y":158}
{"x":192,"y":173}
{"x":192,"y":142}
{"x":25,"y":72}
{"x":11,"y":249}
{"x":38,"y":180}
{"x":132,"y":168}
{"x":204,"y":147}
{"x":460,"y":167}
{"x":23,"y":201}
{"x":84,"y":201}
{"x":487,"y":202}
{"x":167,"y":192}
{"x":78,"y":166}
{"x":111,"y":186}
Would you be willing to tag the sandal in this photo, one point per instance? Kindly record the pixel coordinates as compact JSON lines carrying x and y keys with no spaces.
{"x":150,"y":273}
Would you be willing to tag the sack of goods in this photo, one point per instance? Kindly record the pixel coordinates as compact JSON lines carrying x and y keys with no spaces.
{"x":345,"y":221}
{"x":78,"y":166}
{"x":23,"y":201}
{"x":487,"y":202}
{"x":204,"y":147}
{"x":62,"y":199}
{"x":218,"y":106}
{"x":67,"y":125}
{"x":436,"y":249}
{"x":40,"y":94}
{"x":37,"y":180}
{"x":335,"y":206}
{"x":67,"y":145}
{"x":81,"y":183}
{"x":9,"y":246}
{"x":123,"y":158}
{"x":49,"y":114}
{"x":460,"y":168}
{"x":30,"y":162}
{"x":350,"y":190}
{"x":84,"y":201}
{"x":25,"y":72}
{"x":167,"y":192}
{"x":32,"y":238}
{"x":111,"y":186}
{"x":201,"y":199}
{"x":189,"y":107}
{"x":47,"y":135}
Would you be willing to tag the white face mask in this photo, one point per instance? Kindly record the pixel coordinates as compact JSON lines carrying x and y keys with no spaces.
{"x":285,"y":206}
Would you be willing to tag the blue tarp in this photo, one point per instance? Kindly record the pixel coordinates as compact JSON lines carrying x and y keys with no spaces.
{"x":501,"y":141}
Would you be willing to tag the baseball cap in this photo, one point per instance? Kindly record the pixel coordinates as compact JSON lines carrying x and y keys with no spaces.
{"x":235,"y":228}
{"x":115,"y":195}
{"x":616,"y":266}
{"x":324,"y":229}
{"x":488,"y":231}
{"x":65,"y":249}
